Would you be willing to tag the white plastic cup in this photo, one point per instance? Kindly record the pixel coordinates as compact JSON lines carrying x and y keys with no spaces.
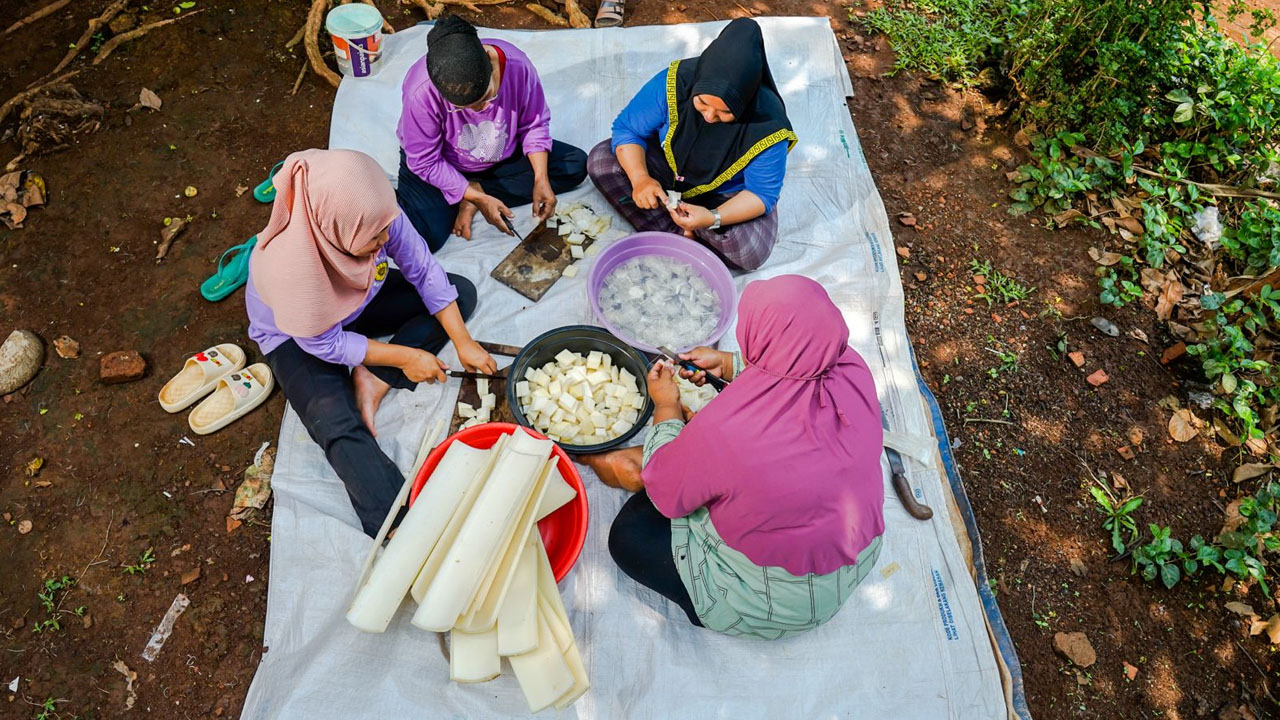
{"x":356,"y":31}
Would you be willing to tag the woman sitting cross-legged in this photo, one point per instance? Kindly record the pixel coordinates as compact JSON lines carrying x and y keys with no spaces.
{"x":762,"y":513}
{"x":715,"y":129}
{"x":469,"y":105}
{"x":320,"y":286}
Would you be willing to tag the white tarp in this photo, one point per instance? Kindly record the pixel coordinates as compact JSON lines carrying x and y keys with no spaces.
{"x":911,"y":642}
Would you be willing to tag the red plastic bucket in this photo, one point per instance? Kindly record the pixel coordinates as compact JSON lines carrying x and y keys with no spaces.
{"x":564,"y":531}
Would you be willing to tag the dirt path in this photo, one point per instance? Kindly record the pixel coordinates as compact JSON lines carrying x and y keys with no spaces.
{"x":120,"y":480}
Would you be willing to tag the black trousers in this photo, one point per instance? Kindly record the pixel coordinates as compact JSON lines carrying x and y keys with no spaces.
{"x":323,"y":396}
{"x":511,"y":181}
{"x":640,"y":543}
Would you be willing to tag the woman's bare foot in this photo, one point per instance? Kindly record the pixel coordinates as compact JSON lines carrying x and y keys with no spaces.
{"x":462,"y":223}
{"x":617,"y":468}
{"x":370,"y":389}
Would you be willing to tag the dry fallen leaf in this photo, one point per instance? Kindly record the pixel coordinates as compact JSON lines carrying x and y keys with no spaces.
{"x":66,"y":347}
{"x":24,"y":527}
{"x":1131,"y":224}
{"x":1257,"y":446}
{"x":1182,"y":426}
{"x":1224,"y":432}
{"x":191,"y":575}
{"x":1170,"y":295}
{"x":1249,"y":471}
{"x":1271,"y":627}
{"x":1118,"y":482}
{"x":1136,"y":436}
{"x":1066,"y":216}
{"x":34,"y":465}
{"x":232,"y":524}
{"x":167,"y":234}
{"x":1126,"y":452}
{"x":129,"y":677}
{"x":148,"y":99}
{"x":907,"y":219}
{"x":241,"y":189}
{"x":1240,"y":608}
{"x":1173,"y":353}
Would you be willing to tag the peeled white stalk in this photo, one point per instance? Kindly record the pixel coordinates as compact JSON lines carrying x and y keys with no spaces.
{"x":483,"y":612}
{"x":559,"y":493}
{"x":473,"y":657}
{"x":543,"y":674}
{"x":441,"y":549}
{"x":378,"y":599}
{"x":455,"y":584}
{"x":518,"y":618}
{"x":553,"y":612}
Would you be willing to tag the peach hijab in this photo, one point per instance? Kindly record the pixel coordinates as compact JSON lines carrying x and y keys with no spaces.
{"x":329,"y":204}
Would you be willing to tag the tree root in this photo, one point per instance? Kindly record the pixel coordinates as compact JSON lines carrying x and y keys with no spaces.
{"x":45,"y":11}
{"x":386,"y":26}
{"x":432,"y":9}
{"x":547,"y":14}
{"x":297,"y":37}
{"x":312,"y":35}
{"x":109,"y":46}
{"x":95,"y":25}
{"x":577,"y":18}
{"x":13,"y":101}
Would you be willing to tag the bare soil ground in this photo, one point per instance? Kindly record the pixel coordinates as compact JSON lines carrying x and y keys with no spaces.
{"x":118,"y":480}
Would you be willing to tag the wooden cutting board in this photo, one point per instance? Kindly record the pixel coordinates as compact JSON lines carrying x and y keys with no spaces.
{"x":470,"y":392}
{"x":537,"y":263}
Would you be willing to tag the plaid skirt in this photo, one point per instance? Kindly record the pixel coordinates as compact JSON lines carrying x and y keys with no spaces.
{"x":746,"y":245}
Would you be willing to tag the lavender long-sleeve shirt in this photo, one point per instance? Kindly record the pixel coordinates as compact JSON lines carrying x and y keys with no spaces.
{"x":439,"y":145}
{"x":343,"y":347}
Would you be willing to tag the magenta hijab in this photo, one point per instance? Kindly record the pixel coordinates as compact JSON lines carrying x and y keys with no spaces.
{"x":787,"y":458}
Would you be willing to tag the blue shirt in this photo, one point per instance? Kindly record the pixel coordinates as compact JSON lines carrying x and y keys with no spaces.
{"x":645,"y":120}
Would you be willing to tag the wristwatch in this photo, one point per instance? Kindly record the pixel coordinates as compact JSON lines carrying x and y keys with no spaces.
{"x":715,"y":212}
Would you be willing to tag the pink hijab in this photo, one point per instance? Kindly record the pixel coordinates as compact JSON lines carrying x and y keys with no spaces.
{"x":787,"y":458}
{"x":329,"y":204}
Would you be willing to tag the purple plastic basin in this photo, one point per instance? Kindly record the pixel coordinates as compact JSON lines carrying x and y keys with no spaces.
{"x":671,"y":246}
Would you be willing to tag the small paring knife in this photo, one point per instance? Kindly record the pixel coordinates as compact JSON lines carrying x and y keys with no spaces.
{"x":474,"y":375}
{"x":716,"y":382}
{"x":512,"y":228}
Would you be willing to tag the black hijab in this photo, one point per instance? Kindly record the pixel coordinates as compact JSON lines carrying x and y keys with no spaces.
{"x":733,"y":68}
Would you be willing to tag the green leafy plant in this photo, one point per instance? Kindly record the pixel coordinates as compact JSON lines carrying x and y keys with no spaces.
{"x":143,"y":564}
{"x":1117,"y":516}
{"x":1160,"y":557}
{"x":50,"y":596}
{"x":998,"y":287}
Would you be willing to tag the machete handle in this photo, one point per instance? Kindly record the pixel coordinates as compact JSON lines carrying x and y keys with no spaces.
{"x":908,"y":498}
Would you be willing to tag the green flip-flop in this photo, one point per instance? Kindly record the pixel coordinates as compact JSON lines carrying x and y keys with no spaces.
{"x":231,"y":273}
{"x":266,"y":190}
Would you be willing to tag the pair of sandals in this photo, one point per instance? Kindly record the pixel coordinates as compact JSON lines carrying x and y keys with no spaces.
{"x":233,"y":266}
{"x":219,"y":373}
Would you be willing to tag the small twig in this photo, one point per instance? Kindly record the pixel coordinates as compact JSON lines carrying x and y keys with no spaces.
{"x":209,"y":490}
{"x":297,"y":37}
{"x":312,"y":38}
{"x":989,"y":420}
{"x":13,"y":101}
{"x":1261,"y":672}
{"x":122,"y":38}
{"x":105,"y":539}
{"x":301,"y":74}
{"x":45,"y":11}
{"x":95,"y":25}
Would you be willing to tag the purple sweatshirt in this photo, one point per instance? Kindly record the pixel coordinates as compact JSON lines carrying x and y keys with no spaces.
{"x":439,"y":145}
{"x":342,"y":347}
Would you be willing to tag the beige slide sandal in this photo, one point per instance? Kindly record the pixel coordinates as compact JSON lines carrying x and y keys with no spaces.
{"x":200,"y":375}
{"x":236,"y":395}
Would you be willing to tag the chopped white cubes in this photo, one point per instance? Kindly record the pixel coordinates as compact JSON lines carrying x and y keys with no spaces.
{"x":581,"y":400}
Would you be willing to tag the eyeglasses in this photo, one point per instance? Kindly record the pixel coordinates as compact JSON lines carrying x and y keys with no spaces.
{"x":478,"y":106}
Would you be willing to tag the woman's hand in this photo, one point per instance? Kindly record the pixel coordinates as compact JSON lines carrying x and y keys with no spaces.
{"x":494,"y":210}
{"x":475,"y":358}
{"x":710,"y":360}
{"x":462,"y":223}
{"x":648,"y":194}
{"x":544,"y":199}
{"x":663,"y":388}
{"x":691,"y":218}
{"x":422,"y":366}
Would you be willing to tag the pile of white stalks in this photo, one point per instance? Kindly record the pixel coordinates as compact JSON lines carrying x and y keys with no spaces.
{"x":478,"y":415}
{"x":470,"y":554}
{"x":577,"y":223}
{"x":581,"y":400}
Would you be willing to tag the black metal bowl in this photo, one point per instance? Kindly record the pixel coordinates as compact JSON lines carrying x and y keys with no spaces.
{"x":580,"y":339}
